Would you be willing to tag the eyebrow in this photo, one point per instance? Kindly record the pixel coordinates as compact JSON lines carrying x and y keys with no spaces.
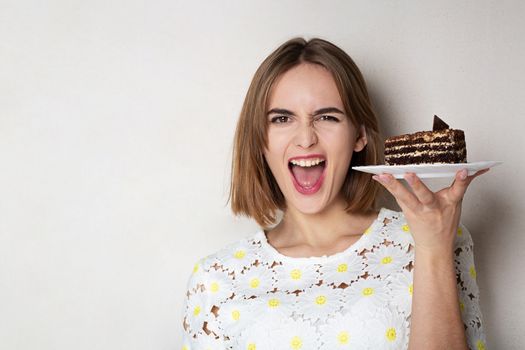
{"x":319,"y":111}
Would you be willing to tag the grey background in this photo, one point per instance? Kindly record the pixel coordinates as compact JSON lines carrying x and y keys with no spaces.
{"x":116,"y":126}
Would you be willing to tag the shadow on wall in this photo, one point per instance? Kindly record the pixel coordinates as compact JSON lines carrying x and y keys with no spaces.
{"x":386,"y":124}
{"x":380,"y":104}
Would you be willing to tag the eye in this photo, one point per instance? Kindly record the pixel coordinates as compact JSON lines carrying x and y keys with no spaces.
{"x":329,"y":118}
{"x":280,"y":119}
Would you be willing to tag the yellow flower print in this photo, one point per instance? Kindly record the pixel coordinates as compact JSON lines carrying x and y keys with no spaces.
{"x":472,"y":272}
{"x":236,"y":315}
{"x":273,"y":303}
{"x":343,"y":338}
{"x":480,"y":345}
{"x":239,"y":254}
{"x":386,"y":260}
{"x":214,"y":287}
{"x":296,"y":343}
{"x":196,"y":311}
{"x":368,"y":291}
{"x":295,"y":274}
{"x":342,"y":268}
{"x":320,"y":300}
{"x":391,"y":334}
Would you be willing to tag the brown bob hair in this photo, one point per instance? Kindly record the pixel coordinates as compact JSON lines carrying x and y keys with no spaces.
{"x":254,"y":191}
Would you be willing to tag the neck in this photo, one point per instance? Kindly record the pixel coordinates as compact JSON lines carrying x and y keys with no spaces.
{"x":322,"y":229}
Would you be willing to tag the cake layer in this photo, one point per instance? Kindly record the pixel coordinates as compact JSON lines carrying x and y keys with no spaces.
{"x":451,"y":135}
{"x":443,"y":146}
{"x":425,"y":158}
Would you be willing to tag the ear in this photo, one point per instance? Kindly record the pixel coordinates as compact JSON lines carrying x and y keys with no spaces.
{"x":361,"y":139}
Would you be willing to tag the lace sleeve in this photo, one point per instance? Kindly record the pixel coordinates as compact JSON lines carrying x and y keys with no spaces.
{"x":199,"y":320}
{"x":468,"y":290}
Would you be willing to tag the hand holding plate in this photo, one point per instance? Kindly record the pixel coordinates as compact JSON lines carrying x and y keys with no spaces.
{"x":433,"y":217}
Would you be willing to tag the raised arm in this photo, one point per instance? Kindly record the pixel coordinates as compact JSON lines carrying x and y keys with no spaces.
{"x":433,"y":218}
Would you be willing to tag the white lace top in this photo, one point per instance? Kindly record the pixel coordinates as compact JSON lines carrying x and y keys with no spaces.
{"x":250,"y":296}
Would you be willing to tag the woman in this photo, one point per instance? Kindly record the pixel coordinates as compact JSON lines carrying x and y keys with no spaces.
{"x":333,"y":273}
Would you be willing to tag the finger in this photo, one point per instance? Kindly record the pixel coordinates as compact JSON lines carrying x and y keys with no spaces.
{"x":461,"y":183}
{"x":402,"y":195}
{"x":424,"y":195}
{"x":459,"y":186}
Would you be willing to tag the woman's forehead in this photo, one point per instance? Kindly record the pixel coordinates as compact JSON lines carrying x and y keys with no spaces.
{"x":306,"y":88}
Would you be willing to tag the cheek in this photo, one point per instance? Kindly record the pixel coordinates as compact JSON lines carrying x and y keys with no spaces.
{"x":276,"y":147}
{"x":273,"y":159}
{"x":341,"y":143}
{"x":348,"y":140}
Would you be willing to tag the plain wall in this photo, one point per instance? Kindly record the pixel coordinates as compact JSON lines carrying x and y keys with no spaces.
{"x":116,"y":126}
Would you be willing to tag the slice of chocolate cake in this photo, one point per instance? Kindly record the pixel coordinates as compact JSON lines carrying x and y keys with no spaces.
{"x":441,"y":145}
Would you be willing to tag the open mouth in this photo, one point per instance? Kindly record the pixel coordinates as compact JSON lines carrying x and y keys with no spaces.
{"x":307,"y":174}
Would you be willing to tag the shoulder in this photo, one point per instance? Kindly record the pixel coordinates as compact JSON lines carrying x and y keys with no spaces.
{"x":213,"y":278}
{"x":233,"y":257}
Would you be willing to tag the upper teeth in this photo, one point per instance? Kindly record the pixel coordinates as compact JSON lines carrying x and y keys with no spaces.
{"x":307,"y":163}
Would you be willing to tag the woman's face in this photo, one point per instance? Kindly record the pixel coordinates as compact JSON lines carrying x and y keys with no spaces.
{"x":310,"y":139}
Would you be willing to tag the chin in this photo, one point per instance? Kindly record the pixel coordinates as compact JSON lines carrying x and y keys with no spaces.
{"x":311,"y":210}
{"x":309,"y":206}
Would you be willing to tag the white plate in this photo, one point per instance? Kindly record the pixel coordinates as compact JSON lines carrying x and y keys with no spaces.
{"x":427,"y":170}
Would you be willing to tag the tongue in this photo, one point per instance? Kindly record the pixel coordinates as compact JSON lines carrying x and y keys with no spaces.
{"x":307,"y":177}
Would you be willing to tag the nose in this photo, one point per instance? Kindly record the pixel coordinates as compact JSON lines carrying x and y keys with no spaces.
{"x":305,"y":136}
